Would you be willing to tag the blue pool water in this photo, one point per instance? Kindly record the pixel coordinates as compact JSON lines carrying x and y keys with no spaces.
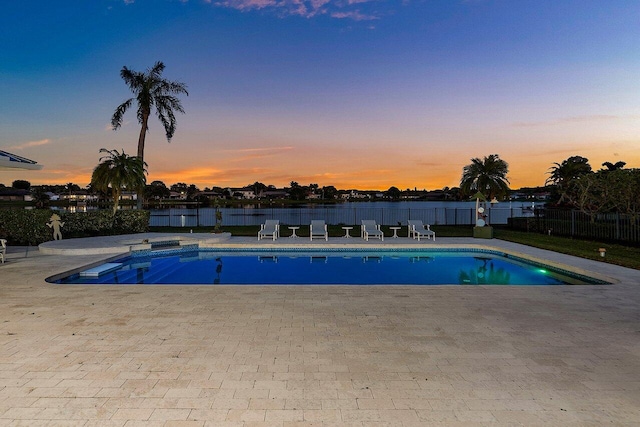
{"x":402,"y":267}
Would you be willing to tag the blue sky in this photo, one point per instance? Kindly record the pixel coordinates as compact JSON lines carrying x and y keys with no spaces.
{"x":357,"y":93}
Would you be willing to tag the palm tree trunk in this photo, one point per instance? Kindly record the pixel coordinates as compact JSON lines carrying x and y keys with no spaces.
{"x":143,"y":134}
{"x":141,"y":138}
{"x":116,"y":200}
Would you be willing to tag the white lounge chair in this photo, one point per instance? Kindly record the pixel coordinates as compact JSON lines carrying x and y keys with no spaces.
{"x":270,"y":228}
{"x":417,"y":229}
{"x":318,"y":229}
{"x":369,"y":228}
{"x":3,"y":249}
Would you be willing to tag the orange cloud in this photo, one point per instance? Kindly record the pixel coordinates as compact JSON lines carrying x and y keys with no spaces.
{"x":207,"y":177}
{"x":188,"y":176}
{"x":61,"y":175}
{"x":30,"y":144}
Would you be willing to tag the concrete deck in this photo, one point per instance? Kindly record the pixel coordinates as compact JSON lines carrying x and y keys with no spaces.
{"x":316,"y":355}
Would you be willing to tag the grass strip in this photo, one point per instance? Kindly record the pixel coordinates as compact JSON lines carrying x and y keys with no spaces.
{"x":626,"y":256}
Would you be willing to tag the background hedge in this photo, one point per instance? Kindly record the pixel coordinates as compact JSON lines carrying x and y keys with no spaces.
{"x":22,"y":227}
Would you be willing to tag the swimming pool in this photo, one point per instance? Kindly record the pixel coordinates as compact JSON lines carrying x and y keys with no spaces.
{"x":323,"y":267}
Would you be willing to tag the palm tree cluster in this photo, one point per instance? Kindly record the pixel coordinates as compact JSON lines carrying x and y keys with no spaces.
{"x":151,"y":92}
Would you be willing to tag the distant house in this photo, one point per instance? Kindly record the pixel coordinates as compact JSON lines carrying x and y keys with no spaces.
{"x":355,"y":194}
{"x":414,"y":194}
{"x":128,"y":195}
{"x":434,"y":195}
{"x":13,"y":195}
{"x":76,"y":196}
{"x":274,"y":194}
{"x":211,"y":195}
{"x":541,"y":195}
{"x":52,"y":196}
{"x":242,"y":193}
{"x":174,"y":195}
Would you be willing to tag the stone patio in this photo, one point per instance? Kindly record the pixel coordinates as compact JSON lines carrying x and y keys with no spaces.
{"x":317,"y":355}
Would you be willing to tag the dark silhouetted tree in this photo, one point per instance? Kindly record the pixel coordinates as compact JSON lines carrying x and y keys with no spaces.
{"x":116,"y":172}
{"x":20,"y":184}
{"x":488,"y":176}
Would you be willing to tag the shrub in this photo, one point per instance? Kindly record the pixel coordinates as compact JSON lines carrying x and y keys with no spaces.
{"x":524,"y":224}
{"x":30,"y":226}
{"x":25,"y":226}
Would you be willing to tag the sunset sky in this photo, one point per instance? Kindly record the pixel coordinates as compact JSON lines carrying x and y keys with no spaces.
{"x":352,"y":93}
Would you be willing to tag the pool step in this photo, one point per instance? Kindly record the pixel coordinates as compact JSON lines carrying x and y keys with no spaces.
{"x":101,"y":269}
{"x":162,"y":268}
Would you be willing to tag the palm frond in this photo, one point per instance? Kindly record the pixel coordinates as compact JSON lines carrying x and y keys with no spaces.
{"x":118,"y":115}
{"x":157,"y":69}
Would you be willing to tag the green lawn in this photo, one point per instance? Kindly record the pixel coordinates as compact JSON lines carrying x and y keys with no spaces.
{"x":627,"y":256}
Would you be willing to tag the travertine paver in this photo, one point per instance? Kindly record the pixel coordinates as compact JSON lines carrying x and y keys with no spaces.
{"x":316,"y":355}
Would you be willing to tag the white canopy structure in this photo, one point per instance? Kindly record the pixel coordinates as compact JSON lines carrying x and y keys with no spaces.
{"x":10,"y":161}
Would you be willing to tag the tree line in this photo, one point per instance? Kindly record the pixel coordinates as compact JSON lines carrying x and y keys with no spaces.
{"x":612,"y":188}
{"x":572,"y":183}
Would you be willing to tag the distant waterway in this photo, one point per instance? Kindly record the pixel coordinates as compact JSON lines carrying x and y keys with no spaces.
{"x":348,"y":213}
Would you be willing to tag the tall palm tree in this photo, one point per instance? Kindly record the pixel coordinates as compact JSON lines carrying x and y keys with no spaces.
{"x":488,"y":176}
{"x":151,"y":92}
{"x":116,"y":172}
